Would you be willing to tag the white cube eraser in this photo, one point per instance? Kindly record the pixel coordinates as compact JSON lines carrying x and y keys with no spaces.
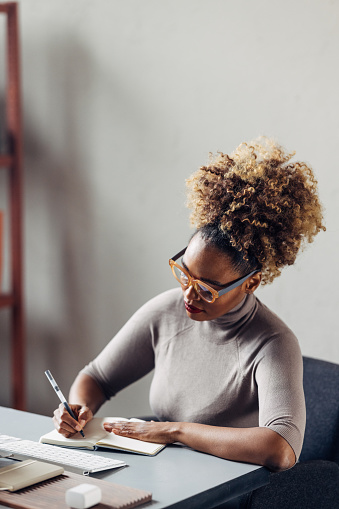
{"x":83,"y":496}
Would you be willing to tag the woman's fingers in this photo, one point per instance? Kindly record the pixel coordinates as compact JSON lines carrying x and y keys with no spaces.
{"x":149,"y":431}
{"x":64,"y":422}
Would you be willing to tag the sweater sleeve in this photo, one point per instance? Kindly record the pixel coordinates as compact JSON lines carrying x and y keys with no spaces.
{"x":126,"y":358}
{"x":279,"y":374}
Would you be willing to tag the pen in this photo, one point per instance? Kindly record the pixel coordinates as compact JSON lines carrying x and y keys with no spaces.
{"x":61,"y":396}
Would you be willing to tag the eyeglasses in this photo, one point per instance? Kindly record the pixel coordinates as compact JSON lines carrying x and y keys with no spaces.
{"x":206,"y":292}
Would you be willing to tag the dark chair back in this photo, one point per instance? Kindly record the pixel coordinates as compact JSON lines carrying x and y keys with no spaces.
{"x":313,"y":483}
{"x":321,"y":387}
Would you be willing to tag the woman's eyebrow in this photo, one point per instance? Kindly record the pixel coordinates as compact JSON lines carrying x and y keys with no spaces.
{"x":205,"y":280}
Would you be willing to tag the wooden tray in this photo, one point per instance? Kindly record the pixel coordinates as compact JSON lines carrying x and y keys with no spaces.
{"x":51,"y":494}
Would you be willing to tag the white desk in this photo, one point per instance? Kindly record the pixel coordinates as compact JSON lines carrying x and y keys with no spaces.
{"x":178,"y":477}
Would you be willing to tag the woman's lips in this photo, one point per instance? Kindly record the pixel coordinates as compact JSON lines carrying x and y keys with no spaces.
{"x":192,"y":309}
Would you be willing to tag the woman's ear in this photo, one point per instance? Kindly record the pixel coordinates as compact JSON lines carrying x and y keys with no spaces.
{"x":252,"y":283}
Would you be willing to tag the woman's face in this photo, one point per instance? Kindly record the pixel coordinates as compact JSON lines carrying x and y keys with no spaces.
{"x":210,"y":265}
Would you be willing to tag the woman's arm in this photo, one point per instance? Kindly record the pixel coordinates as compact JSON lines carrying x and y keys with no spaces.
{"x":261,"y":446}
{"x":85,"y":399}
{"x":86,"y":392}
{"x":127,"y":357}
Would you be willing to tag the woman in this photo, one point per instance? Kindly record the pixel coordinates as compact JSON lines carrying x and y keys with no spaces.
{"x":228,"y":371}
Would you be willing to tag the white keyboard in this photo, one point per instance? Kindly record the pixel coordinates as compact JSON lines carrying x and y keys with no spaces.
{"x":73,"y":461}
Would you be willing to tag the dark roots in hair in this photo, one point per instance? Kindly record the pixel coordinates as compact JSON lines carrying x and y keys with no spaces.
{"x":257,"y":203}
{"x":213,"y":235}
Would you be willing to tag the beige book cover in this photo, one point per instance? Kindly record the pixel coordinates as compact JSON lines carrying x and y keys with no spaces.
{"x":96,"y":436}
{"x":25,"y":473}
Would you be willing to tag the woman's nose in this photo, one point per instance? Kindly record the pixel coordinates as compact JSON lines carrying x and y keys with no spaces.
{"x":191,"y":293}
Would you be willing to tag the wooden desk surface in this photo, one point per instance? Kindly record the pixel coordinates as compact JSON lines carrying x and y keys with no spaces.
{"x":178,"y":477}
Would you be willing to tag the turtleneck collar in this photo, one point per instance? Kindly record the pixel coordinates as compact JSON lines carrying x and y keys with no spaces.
{"x":243,"y":309}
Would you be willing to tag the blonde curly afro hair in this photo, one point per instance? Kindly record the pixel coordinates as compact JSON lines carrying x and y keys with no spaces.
{"x":263,"y":205}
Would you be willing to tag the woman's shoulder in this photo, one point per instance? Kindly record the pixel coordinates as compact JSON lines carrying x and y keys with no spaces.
{"x":168,"y":303}
{"x":273,"y":333}
{"x":165,"y":299}
{"x":163,"y":315}
{"x":263,"y":333}
{"x":268,"y":320}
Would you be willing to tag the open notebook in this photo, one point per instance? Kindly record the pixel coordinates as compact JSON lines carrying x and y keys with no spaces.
{"x":96,"y":436}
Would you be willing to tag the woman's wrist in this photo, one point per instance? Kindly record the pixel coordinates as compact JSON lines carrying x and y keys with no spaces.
{"x":177,"y":431}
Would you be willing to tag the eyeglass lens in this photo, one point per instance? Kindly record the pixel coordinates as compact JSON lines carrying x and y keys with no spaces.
{"x":201,"y":289}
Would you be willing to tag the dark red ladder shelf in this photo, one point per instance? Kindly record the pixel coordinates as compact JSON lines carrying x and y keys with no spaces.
{"x":12,"y":162}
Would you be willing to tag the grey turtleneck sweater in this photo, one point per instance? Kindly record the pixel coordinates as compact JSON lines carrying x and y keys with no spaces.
{"x":243,"y":369}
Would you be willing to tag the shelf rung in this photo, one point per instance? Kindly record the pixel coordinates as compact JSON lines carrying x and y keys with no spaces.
{"x":5,"y":160}
{"x":6,"y":300}
{"x":6,"y":6}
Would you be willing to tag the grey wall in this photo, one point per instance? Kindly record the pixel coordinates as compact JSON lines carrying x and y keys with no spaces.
{"x":122,"y":102}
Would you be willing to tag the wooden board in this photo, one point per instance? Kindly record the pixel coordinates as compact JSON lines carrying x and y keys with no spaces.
{"x":51,"y":494}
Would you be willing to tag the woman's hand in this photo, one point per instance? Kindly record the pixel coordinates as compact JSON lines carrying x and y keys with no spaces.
{"x":149,"y":431}
{"x":66,"y":425}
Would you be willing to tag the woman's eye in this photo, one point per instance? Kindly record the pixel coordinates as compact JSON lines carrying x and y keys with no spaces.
{"x":205,"y":292}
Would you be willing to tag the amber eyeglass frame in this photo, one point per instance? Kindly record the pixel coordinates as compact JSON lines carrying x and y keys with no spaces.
{"x":196,"y":282}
